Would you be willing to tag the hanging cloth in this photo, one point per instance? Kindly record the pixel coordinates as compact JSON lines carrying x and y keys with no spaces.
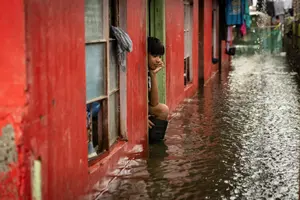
{"x":233,"y":10}
{"x":270,"y":8}
{"x":243,"y":29}
{"x":288,"y":4}
{"x":250,"y":2}
{"x":124,"y":45}
{"x":278,"y":8}
{"x":229,"y":50}
{"x":247,"y":17}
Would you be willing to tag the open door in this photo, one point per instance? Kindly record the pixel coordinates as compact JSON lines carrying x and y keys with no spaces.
{"x":156,"y":28}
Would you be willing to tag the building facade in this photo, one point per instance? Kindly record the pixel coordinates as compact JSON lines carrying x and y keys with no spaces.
{"x":60,"y":61}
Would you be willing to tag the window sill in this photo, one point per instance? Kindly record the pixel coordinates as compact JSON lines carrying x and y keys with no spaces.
{"x":188,"y":86}
{"x":104,"y":158}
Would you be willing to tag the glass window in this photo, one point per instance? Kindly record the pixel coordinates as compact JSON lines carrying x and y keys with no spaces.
{"x":188,"y":41}
{"x":102,"y":76}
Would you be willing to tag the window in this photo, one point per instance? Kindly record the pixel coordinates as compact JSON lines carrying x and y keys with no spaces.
{"x":214,"y":32}
{"x":188,"y":41}
{"x":102,"y":76}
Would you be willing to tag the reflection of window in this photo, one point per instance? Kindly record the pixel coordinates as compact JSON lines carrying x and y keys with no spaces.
{"x":188,"y":40}
{"x":102,"y":76}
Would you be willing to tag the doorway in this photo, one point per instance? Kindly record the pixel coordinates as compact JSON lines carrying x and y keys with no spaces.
{"x":156,"y":28}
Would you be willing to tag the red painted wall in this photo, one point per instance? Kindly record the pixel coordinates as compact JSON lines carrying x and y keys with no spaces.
{"x":55,"y":124}
{"x":209,"y":68}
{"x":195,"y":84}
{"x":56,"y":81}
{"x":176,"y":91}
{"x":207,"y":43}
{"x":174,"y":52}
{"x":45,"y":84}
{"x":137,"y":72}
{"x":12,"y":93}
{"x":136,"y":97}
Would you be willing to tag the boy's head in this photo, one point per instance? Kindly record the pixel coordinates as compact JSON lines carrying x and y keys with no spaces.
{"x":155,"y":50}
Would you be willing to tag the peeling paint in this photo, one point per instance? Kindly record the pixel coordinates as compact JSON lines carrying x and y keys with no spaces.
{"x":37,"y":180}
{"x":8,"y":150}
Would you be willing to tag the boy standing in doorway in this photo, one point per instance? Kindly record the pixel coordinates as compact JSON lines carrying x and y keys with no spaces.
{"x":158,"y":112}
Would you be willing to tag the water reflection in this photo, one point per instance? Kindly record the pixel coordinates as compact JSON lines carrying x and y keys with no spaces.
{"x":237,"y":139}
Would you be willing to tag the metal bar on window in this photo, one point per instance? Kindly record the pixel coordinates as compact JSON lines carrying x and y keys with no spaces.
{"x":106,"y":36}
{"x":113,"y":91}
{"x":96,"y":99}
{"x":95,"y":41}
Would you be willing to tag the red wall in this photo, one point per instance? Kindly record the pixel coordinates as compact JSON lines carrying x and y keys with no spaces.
{"x":55,"y":124}
{"x":207,"y":43}
{"x":43,"y":89}
{"x":12,"y":94}
{"x":176,"y":91}
{"x":195,"y":84}
{"x":174,"y":52}
{"x":137,"y":72}
{"x":209,"y":68}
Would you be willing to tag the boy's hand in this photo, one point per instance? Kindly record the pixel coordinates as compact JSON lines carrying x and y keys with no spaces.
{"x":150,"y":124}
{"x":159,"y":66}
{"x":153,"y":72}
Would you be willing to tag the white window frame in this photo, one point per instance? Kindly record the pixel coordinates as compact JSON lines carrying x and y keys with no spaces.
{"x":121,"y":86}
{"x":214,"y":30}
{"x":188,"y":40}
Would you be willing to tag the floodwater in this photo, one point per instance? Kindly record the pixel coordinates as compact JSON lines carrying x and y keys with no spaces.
{"x":237,"y":139}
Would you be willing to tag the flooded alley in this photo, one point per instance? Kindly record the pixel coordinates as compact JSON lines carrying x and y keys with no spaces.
{"x":236,"y":139}
{"x":82,"y":81}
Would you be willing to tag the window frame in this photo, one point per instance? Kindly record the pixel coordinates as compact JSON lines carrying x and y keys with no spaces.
{"x":188,"y":28}
{"x":105,"y":100}
{"x":214,"y":30}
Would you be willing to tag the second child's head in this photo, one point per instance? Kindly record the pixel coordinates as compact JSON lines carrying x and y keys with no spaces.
{"x":155,"y":51}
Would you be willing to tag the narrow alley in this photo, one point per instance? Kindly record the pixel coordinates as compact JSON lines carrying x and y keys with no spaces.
{"x":150,"y":100}
{"x":237,"y":139}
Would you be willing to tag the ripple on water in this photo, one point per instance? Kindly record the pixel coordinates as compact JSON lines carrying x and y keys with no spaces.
{"x":240,"y":141}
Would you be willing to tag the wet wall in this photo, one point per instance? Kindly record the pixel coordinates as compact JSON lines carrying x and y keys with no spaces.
{"x":12,"y":98}
{"x":55,"y":124}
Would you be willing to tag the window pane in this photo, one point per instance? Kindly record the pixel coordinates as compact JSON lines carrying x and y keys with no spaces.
{"x":186,"y":16}
{"x":114,"y":118}
{"x":191,"y":29}
{"x":95,"y":64}
{"x":93,"y":20}
{"x":186,"y":44}
{"x":113,"y":67}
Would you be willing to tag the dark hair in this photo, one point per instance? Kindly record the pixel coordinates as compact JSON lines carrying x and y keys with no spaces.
{"x":277,"y":17}
{"x":155,"y":47}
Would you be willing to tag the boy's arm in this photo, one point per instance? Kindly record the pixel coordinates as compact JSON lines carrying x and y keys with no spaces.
{"x":154,"y":90}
